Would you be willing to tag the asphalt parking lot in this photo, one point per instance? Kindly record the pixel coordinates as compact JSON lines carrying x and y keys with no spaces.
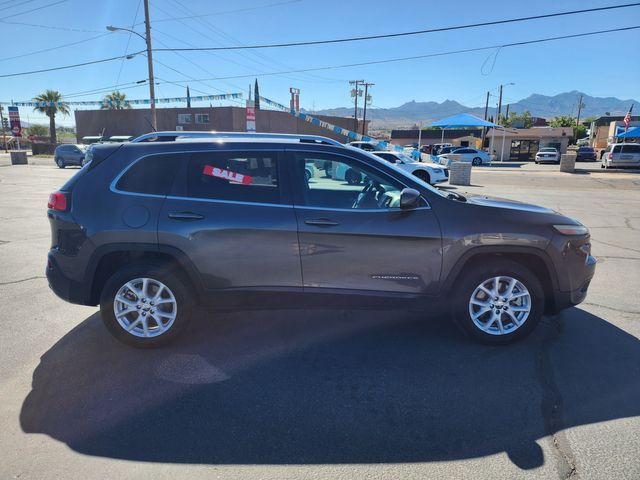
{"x":326,"y":393}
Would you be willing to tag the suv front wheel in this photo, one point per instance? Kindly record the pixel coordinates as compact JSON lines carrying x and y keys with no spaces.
{"x":498,"y":301}
{"x":145,"y":305}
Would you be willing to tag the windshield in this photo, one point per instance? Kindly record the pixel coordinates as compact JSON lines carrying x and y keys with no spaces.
{"x":406,"y":158}
{"x":548,"y":150}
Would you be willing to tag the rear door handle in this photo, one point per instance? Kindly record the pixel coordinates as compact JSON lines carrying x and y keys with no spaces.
{"x":185,"y":216}
{"x":321,"y":222}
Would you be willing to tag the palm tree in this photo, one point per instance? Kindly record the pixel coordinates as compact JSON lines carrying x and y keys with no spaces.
{"x":117,"y":100}
{"x":51,"y":110}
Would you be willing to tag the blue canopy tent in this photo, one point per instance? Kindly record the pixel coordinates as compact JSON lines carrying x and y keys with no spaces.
{"x":632,"y":133}
{"x":461,"y":120}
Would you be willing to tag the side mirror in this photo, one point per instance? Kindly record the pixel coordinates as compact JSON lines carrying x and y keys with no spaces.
{"x":409,"y":198}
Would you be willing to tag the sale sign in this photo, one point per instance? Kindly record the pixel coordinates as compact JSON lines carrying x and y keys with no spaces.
{"x":14,"y":121}
{"x":234,"y":177}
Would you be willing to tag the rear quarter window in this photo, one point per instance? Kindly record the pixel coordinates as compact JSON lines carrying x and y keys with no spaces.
{"x":153,"y":175}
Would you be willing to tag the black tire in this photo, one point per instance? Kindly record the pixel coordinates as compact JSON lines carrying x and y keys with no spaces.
{"x":476,"y":161}
{"x":173,"y":280}
{"x":307,"y":175}
{"x":422,"y":175}
{"x":475,"y":275}
{"x":353,"y":177}
{"x":60,"y":163}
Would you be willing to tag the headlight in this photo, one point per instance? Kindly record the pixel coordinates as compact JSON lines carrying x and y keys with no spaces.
{"x":437,"y":170}
{"x":571,"y":229}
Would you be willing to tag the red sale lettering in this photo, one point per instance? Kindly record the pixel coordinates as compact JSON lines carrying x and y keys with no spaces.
{"x":234,"y":177}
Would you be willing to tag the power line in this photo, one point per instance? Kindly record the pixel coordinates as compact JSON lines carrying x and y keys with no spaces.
{"x":75,"y":65}
{"x":439,"y":54}
{"x":246,"y":9}
{"x":34,"y":9}
{"x":54,"y":48}
{"x":52,"y":27}
{"x":403,"y":34}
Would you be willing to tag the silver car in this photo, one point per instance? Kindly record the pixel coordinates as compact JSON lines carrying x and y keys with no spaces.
{"x":621,"y":155}
{"x":548,"y":154}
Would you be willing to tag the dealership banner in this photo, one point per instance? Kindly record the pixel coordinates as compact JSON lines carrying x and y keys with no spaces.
{"x":354,"y":136}
{"x":116,"y":103}
{"x":14,"y":121}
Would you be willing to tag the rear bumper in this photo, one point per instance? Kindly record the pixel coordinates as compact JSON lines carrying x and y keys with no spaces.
{"x":65,"y":288}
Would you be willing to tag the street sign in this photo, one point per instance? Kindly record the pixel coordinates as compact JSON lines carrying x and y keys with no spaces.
{"x":14,"y":121}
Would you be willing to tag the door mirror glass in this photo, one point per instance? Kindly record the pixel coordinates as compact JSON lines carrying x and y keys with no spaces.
{"x":409,"y":199}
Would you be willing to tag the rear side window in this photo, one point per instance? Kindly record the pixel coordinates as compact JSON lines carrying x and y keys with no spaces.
{"x":151,"y":175}
{"x":626,"y":149}
{"x":234,"y":176}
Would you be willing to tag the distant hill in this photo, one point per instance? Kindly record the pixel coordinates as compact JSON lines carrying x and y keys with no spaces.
{"x":539,"y":106}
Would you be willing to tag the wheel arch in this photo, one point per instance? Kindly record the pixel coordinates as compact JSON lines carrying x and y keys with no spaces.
{"x":107,"y":259}
{"x":536,"y":260}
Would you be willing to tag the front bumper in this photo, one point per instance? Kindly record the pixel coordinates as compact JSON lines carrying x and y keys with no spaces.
{"x":582,"y":280}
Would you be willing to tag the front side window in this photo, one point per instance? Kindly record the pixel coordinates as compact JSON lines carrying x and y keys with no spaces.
{"x":184,"y":118}
{"x":234,"y":176}
{"x":151,"y":175}
{"x":345,"y":183}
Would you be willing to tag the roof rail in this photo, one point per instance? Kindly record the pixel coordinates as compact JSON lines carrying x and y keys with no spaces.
{"x":171,"y":136}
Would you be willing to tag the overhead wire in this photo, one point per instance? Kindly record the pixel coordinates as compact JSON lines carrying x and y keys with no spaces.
{"x":410,"y":33}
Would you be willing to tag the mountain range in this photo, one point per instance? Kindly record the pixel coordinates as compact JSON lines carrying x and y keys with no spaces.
{"x":538,"y":105}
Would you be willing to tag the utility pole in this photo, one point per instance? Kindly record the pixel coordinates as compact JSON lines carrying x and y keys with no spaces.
{"x":366,"y":100}
{"x":499,"y":106}
{"x":580,"y":107}
{"x":486,"y":112}
{"x":355,"y":93}
{"x":152,"y":90}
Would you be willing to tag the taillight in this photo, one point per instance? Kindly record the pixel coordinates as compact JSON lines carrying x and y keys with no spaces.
{"x":58,"y":201}
{"x":610,"y":156}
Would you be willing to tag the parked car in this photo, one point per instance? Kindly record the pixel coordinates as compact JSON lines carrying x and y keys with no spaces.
{"x":436,"y":148}
{"x":366,"y":146}
{"x":548,"y":154}
{"x":429,"y":172}
{"x":448,"y":149}
{"x":67,"y":154}
{"x":468,"y":155}
{"x":621,"y":155}
{"x":586,"y":154}
{"x":233,"y":221}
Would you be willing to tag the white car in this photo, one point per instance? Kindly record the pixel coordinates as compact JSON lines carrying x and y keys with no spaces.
{"x":428,"y":172}
{"x":548,"y":154}
{"x":467,"y":155}
{"x":621,"y":155}
{"x":366,"y":146}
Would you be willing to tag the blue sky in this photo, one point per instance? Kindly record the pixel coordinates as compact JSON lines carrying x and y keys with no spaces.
{"x":550,"y":68}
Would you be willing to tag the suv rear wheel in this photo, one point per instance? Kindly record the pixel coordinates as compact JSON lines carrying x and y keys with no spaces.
{"x":498,"y":301}
{"x":145,"y":305}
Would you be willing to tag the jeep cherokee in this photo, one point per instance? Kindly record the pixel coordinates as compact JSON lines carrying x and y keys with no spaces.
{"x":148,"y":229}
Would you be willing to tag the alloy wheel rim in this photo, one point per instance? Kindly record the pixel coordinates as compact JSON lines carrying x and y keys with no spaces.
{"x":500,"y":305}
{"x":145,"y":307}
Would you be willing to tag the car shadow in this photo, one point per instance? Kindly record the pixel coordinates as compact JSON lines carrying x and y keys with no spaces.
{"x":331,"y":386}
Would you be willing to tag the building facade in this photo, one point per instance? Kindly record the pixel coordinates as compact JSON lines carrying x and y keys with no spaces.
{"x":134,"y":122}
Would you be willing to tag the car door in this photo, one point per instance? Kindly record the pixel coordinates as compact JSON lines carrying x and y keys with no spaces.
{"x":355,"y":237}
{"x":231,"y":213}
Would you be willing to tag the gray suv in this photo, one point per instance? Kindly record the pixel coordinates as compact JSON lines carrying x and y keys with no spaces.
{"x":148,"y":230}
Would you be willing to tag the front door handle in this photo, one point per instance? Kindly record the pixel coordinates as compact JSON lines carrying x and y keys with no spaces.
{"x":321,"y":222}
{"x":185,"y":216}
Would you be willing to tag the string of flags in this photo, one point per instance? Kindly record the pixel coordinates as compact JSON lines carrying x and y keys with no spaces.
{"x":117,"y":103}
{"x":354,"y":136}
